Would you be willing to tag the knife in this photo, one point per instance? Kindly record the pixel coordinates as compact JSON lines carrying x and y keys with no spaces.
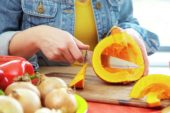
{"x":116,"y":62}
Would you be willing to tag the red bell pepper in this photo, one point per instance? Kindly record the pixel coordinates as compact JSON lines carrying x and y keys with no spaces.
{"x":3,"y":80}
{"x":12,"y":67}
{"x":4,"y":59}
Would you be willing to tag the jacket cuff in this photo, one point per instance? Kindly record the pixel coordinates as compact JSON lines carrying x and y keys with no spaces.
{"x":5,"y":39}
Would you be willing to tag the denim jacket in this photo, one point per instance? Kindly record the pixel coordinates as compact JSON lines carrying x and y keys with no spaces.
{"x":16,"y":15}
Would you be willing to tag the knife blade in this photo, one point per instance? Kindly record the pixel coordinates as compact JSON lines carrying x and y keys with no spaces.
{"x":115,"y":62}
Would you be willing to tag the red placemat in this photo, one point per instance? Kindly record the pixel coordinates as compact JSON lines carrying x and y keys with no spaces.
{"x":110,"y":108}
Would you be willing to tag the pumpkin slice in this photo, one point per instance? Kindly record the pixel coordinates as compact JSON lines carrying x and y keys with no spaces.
{"x":152,"y":99}
{"x":155,"y":87}
{"x":118,"y":44}
{"x":78,"y":80}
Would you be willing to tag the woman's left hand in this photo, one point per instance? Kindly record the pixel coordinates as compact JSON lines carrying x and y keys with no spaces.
{"x":141,"y":44}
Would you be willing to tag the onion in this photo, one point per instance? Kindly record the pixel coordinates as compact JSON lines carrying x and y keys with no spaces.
{"x":56,"y":111}
{"x":62,"y":99}
{"x":43,"y":110}
{"x":29,"y":100}
{"x":10,"y":105}
{"x":47,"y":84}
{"x":46,"y":110}
{"x":27,"y":85}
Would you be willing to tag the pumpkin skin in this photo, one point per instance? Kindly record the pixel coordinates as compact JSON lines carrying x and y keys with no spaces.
{"x":118,"y":44}
{"x":155,"y":87}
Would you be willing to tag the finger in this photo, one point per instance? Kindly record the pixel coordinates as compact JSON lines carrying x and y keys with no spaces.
{"x":81,"y":45}
{"x":75,"y":46}
{"x":141,"y":44}
{"x":115,"y":30}
{"x":145,"y":57}
{"x":55,"y":56}
{"x":67,"y":55}
{"x":146,"y":61}
{"x":60,"y":59}
{"x":75,"y":52}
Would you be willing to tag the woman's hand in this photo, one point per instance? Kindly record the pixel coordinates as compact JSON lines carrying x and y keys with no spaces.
{"x":56,"y":44}
{"x":59,"y":45}
{"x":141,"y":44}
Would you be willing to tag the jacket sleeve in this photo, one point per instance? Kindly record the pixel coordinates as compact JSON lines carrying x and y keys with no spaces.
{"x":10,"y":23}
{"x":10,"y":16}
{"x":126,"y":20}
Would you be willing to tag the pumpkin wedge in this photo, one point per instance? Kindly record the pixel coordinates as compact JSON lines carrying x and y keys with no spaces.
{"x":154,"y":87}
{"x":117,"y":44}
{"x":78,"y":80}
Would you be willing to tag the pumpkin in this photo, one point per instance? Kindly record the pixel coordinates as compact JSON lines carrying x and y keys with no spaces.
{"x":117,"y":44}
{"x":78,"y":80}
{"x":155,"y":87}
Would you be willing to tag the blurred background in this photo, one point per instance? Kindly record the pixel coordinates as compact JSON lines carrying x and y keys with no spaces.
{"x":155,"y":16}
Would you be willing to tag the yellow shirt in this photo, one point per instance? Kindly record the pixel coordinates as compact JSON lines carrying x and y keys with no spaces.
{"x":85,"y":28}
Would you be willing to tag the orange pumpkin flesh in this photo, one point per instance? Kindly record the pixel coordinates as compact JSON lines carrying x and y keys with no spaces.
{"x":120,"y":45}
{"x":155,"y":87}
{"x":78,"y":80}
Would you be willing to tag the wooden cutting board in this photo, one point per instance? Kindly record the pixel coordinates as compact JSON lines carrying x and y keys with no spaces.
{"x":97,"y":90}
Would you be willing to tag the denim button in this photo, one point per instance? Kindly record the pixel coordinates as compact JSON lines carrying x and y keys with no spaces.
{"x":40,"y":8}
{"x":98,"y":5}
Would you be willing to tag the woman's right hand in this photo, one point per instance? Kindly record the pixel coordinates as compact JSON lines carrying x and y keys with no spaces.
{"x":56,"y":44}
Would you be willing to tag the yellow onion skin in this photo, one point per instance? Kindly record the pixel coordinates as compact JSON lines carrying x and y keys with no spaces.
{"x":43,"y":110}
{"x":29,"y":100}
{"x":47,"y":84}
{"x":26,"y":85}
{"x":10,"y":105}
{"x":62,"y":99}
{"x":47,"y":110}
